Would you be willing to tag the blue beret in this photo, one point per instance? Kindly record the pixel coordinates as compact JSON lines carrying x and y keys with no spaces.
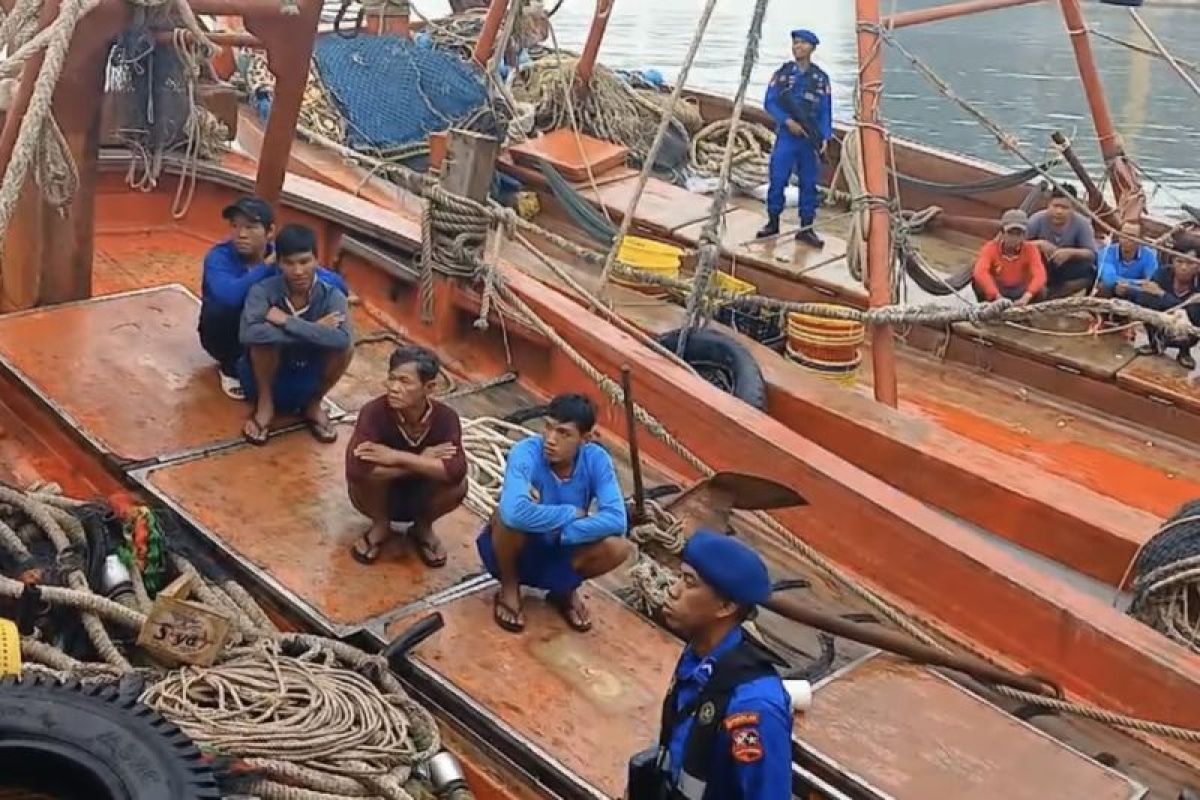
{"x":731,"y":568}
{"x":805,"y":35}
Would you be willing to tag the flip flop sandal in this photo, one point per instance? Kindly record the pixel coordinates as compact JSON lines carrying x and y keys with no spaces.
{"x":569,"y":614}
{"x":428,"y":557}
{"x":323,"y":432}
{"x":373,"y":550}
{"x":257,"y":439}
{"x":425,"y":552}
{"x":513,"y":625}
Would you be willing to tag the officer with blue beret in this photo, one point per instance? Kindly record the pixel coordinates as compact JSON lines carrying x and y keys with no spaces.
{"x":799,"y":99}
{"x":727,"y":721}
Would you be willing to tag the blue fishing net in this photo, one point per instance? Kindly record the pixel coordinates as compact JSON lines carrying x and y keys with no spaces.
{"x":393,"y":92}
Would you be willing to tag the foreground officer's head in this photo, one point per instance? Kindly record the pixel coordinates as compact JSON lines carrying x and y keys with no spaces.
{"x":720,"y":583}
{"x":803,"y":44}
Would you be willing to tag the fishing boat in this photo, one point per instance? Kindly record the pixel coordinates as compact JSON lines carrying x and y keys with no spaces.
{"x":1086,"y":404}
{"x":105,"y":389}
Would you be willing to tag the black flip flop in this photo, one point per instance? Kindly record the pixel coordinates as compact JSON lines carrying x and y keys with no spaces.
{"x":323,"y":432}
{"x":562,"y":604}
{"x":259,"y":439}
{"x":373,"y":550}
{"x":516,"y":624}
{"x":425,"y":553}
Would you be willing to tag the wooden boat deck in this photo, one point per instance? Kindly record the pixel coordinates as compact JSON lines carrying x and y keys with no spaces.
{"x":280,"y":512}
{"x":780,"y":268}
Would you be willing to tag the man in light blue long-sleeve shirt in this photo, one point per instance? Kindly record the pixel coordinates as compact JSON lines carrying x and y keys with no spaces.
{"x":1126,"y":265}
{"x":561,"y":518}
{"x":296,"y":331}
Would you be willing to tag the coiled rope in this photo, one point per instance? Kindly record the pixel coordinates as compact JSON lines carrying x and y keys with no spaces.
{"x":305,"y":709}
{"x":313,"y":717}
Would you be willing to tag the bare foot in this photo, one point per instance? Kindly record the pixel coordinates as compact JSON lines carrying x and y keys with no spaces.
{"x":258,"y":427}
{"x":319,"y":424}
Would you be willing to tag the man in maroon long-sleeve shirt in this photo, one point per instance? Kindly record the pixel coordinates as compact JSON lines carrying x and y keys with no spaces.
{"x":405,"y":461}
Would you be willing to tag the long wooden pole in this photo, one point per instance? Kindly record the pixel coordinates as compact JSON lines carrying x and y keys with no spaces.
{"x":15,"y":114}
{"x":487,"y":36}
{"x":921,"y":16}
{"x":289,"y":49}
{"x":902,"y":645}
{"x":591,"y":47}
{"x":635,"y":459}
{"x":879,"y":245}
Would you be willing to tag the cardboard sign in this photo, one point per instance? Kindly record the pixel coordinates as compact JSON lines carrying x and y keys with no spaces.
{"x":181,"y":632}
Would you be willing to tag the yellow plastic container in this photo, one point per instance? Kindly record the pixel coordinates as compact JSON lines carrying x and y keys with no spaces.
{"x":728,"y":283}
{"x":10,"y":648}
{"x":653,"y":258}
{"x":650,"y":256}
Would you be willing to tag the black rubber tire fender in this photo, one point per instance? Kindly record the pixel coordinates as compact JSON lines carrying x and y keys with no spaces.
{"x":134,"y":749}
{"x":936,"y":284}
{"x":708,"y":346}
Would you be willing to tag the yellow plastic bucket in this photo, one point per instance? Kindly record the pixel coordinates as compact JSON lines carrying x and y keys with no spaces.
{"x":646,"y":255}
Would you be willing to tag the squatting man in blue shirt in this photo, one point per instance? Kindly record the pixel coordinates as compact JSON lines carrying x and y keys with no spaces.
{"x":561,"y":518}
{"x":296,"y":333}
{"x":726,"y":729}
{"x":799,"y":99}
{"x":231,"y":267}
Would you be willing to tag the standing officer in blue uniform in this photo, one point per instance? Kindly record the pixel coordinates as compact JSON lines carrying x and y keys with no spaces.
{"x":798,"y":97}
{"x":727,"y":721}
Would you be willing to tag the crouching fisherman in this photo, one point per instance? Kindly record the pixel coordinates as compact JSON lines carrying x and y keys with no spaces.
{"x":405,"y":461}
{"x":231,"y":268}
{"x":296,"y":332}
{"x":727,"y":721}
{"x":561,"y":518}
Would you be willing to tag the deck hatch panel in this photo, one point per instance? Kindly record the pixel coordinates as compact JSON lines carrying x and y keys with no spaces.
{"x":905,"y":731}
{"x":126,"y":371}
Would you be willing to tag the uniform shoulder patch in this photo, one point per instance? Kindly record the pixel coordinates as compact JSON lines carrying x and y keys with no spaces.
{"x":746,"y":745}
{"x":741,"y":720}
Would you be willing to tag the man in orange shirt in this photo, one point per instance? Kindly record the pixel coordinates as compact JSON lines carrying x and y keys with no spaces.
{"x":1008,"y":266}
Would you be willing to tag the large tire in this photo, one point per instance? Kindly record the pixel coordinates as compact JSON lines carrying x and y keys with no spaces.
{"x":94,"y":744}
{"x":706,"y":348}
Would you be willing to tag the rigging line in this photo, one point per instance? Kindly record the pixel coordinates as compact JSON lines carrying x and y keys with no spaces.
{"x":1166,"y":54}
{"x":668,"y":115}
{"x":1007,"y":140}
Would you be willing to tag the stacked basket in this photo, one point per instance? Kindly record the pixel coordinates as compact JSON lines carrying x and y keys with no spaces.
{"x":828,"y":347}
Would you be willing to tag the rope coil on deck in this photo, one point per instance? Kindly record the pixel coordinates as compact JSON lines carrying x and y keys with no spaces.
{"x":307,"y":717}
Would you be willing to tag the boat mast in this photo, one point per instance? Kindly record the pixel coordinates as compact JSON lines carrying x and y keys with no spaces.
{"x":874,"y":166}
{"x":1131,"y":200}
{"x":487,"y":36}
{"x":591,"y":48}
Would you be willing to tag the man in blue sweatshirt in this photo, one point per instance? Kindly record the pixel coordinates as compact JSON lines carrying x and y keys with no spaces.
{"x":230,"y":269}
{"x":296,"y":331}
{"x":561,"y":518}
{"x":1126,"y":265}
